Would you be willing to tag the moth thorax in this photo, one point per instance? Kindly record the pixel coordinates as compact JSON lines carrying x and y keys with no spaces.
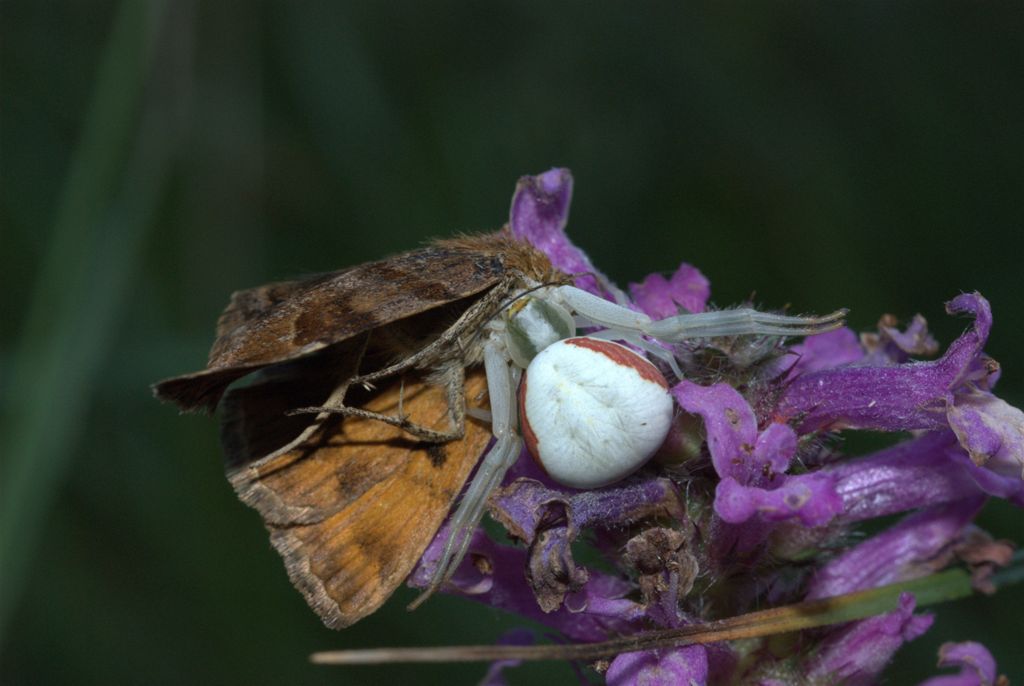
{"x":534,"y":324}
{"x":593,"y":411}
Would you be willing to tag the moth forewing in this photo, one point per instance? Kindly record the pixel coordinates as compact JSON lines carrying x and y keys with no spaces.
{"x":352,"y":509}
{"x":288,"y":320}
{"x":349,"y":493}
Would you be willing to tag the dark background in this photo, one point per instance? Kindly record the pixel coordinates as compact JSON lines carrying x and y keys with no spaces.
{"x":157,"y":156}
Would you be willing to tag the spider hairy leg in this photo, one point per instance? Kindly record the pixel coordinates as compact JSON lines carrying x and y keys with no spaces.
{"x":740,"y":322}
{"x":503,"y":453}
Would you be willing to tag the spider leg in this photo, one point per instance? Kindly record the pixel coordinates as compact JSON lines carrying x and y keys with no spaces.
{"x":741,"y":322}
{"x":488,"y":475}
{"x":452,"y":338}
{"x":650,"y":347}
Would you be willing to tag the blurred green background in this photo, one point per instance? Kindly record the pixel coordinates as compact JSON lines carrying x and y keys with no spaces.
{"x":156,"y":156}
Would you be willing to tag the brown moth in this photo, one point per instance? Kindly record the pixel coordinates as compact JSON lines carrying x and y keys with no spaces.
{"x":390,"y":352}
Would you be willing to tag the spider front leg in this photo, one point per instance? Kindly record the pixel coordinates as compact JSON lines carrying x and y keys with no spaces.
{"x":740,"y":322}
{"x":501,"y":456}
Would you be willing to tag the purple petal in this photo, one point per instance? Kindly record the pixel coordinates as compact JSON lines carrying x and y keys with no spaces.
{"x":730,"y":426}
{"x":1010,"y":487}
{"x":493,"y":574}
{"x":905,"y":551}
{"x":856,"y":653}
{"x":901,"y":397}
{"x":752,"y":465}
{"x":660,"y":297}
{"x":977,"y":666}
{"x":687,"y":666}
{"x":549,"y":521}
{"x":991,"y":431}
{"x":540,"y":211}
{"x":737,"y":450}
{"x":826,"y":351}
{"x":513,"y":637}
{"x":810,"y":497}
{"x":892,"y":346}
{"x":774,"y":448}
{"x":730,"y":542}
{"x":526,"y":506}
{"x":907,"y":476}
{"x":654,"y":297}
{"x":603,"y":597}
{"x":928,"y":470}
{"x":916,"y":340}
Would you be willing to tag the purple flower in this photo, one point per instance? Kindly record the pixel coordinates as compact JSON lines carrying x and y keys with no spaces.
{"x":495,"y":674}
{"x":752,"y":464}
{"x":687,"y":290}
{"x":892,"y":346}
{"x":857,"y":653}
{"x":495,"y":575}
{"x":540,"y":211}
{"x":688,"y":666}
{"x":991,"y":431}
{"x":549,"y":521}
{"x":928,"y":470}
{"x":905,"y":551}
{"x":977,"y":666}
{"x":827,"y":351}
{"x":914,"y":395}
{"x":750,"y":502}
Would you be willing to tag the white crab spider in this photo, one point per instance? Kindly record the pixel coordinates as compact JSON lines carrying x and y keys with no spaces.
{"x":593,"y":411}
{"x":533,"y":325}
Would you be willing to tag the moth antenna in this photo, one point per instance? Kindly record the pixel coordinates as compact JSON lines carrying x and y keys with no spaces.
{"x":528,"y":291}
{"x":508,"y":302}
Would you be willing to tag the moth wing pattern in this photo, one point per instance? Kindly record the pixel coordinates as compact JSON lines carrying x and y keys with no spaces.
{"x":352,"y":508}
{"x":351,"y":502}
{"x":250,"y":304}
{"x":287,"y":320}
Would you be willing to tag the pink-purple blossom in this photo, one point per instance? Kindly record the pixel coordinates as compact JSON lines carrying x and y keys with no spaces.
{"x":675,"y":666}
{"x":977,"y":666}
{"x":759,"y":506}
{"x":687,"y":290}
{"x":855,"y":654}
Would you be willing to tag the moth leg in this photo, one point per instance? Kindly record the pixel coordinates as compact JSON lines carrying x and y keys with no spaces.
{"x":453,"y":374}
{"x":488,"y":475}
{"x":473,"y":318}
{"x":741,"y":322}
{"x":456,"y":413}
{"x":335,"y":399}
